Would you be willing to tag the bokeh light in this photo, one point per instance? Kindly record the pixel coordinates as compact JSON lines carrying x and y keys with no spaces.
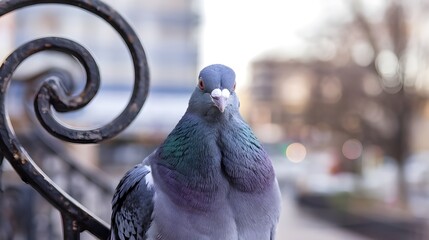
{"x":387,"y":64}
{"x":296,"y":152}
{"x":352,"y":149}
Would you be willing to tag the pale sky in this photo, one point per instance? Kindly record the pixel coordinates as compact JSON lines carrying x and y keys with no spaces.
{"x":235,"y":31}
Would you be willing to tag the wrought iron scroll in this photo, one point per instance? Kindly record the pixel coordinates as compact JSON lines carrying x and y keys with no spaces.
{"x":52,"y":95}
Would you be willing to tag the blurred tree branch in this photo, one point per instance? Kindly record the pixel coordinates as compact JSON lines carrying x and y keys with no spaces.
{"x":388,"y":33}
{"x":399,"y":103}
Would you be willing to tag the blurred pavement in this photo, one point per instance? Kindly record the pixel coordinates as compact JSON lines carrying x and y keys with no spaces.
{"x":297,"y":224}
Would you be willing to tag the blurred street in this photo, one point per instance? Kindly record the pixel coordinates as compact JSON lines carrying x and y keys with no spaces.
{"x":297,"y":224}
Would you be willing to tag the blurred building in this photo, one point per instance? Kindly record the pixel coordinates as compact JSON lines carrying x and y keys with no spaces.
{"x":168,"y":31}
{"x":290,"y":97}
{"x":341,"y":108}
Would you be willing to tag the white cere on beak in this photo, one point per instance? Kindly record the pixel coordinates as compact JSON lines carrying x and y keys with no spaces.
{"x":220,"y":98}
{"x":225,"y":93}
{"x":216,"y":93}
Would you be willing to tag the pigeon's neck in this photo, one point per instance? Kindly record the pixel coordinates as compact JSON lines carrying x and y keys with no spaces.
{"x":244,"y":161}
{"x":191,"y":146}
{"x":198,"y":157}
{"x":188,"y":164}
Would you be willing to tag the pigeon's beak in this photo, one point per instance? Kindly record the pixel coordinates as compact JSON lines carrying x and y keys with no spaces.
{"x":220,"y":103}
{"x":220,"y":98}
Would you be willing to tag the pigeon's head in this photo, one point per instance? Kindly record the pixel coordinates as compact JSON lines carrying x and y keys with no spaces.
{"x":215,"y":90}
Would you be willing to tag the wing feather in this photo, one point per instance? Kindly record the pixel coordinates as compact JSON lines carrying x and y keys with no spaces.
{"x":132,"y":205}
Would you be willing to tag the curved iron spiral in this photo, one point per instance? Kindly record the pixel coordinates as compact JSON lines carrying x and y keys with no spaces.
{"x":52,"y":94}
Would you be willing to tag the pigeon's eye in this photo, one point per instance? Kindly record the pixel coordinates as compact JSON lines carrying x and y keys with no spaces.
{"x":201,"y":84}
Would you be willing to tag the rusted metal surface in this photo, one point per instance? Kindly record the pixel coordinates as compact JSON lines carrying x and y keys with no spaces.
{"x":70,"y":227}
{"x":53,"y":95}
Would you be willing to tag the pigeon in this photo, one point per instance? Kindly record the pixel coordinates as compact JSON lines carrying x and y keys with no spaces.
{"x":210,"y":179}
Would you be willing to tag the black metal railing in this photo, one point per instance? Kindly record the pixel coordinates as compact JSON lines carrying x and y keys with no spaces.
{"x":53,"y":94}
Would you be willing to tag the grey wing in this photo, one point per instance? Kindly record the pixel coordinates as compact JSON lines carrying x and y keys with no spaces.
{"x":132,"y":205}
